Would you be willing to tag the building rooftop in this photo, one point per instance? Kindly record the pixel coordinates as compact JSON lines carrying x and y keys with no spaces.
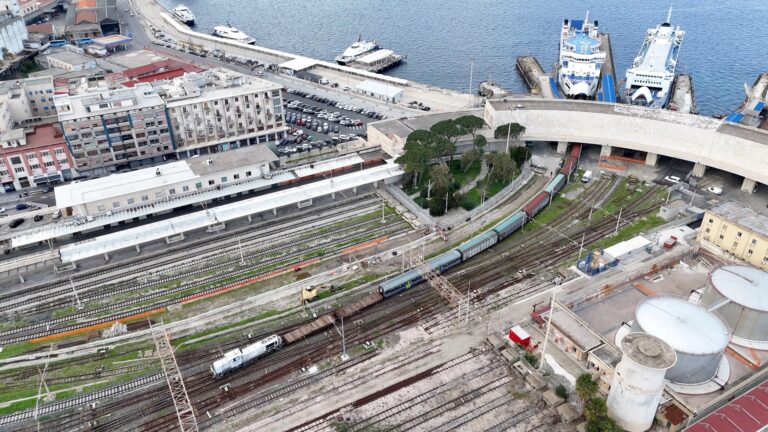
{"x":746,"y":413}
{"x":105,"y":188}
{"x":379,"y":88}
{"x":392,"y":127}
{"x":209,"y":85}
{"x":45,"y":135}
{"x":70,"y":57}
{"x":608,"y":354}
{"x":375,"y":56}
{"x":106,"y":101}
{"x":648,"y":350}
{"x":299,"y":64}
{"x":743,"y":216}
{"x":231,"y":159}
{"x":575,"y":330}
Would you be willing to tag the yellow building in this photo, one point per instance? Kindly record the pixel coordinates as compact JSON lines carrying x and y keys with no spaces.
{"x":738,"y":232}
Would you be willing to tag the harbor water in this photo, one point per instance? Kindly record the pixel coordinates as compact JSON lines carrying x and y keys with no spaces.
{"x":723,"y":46}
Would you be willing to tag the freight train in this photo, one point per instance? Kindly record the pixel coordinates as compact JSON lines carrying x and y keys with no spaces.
{"x":238,"y":358}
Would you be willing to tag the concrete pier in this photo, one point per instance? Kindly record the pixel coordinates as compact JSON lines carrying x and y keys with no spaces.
{"x":683,"y":100}
{"x":607,"y":91}
{"x":531,"y":71}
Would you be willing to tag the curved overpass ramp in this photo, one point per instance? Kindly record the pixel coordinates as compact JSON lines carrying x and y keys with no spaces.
{"x":705,"y":141}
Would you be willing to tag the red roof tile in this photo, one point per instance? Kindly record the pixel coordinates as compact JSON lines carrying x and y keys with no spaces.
{"x":44,"y":28}
{"x":746,"y":413}
{"x":82,"y":4}
{"x":87,"y":16}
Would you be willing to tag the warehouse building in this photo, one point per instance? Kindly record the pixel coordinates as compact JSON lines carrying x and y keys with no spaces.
{"x":173,"y":180}
{"x":738,"y":232}
{"x":381,"y":91}
{"x":218,"y":110}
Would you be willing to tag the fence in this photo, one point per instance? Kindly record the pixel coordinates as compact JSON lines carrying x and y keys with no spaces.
{"x":414,"y":208}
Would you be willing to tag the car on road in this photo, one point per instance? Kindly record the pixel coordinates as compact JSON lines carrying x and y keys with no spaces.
{"x":38,"y":218}
{"x":21,"y":206}
{"x":717,"y":190}
{"x":672,"y":179}
{"x":56,"y":214}
{"x":16,"y":222}
{"x":2,"y":209}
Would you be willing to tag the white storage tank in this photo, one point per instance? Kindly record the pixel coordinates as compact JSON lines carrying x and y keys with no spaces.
{"x":699,"y":337}
{"x":739,"y":294}
{"x":638,"y":381}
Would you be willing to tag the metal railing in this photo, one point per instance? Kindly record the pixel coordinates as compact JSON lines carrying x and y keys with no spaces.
{"x":524,"y":176}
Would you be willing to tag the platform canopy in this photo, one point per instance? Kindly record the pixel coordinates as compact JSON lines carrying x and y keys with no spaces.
{"x":299,"y":64}
{"x":110,"y":41}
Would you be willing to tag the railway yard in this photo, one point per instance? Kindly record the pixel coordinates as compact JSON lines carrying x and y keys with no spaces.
{"x":108,"y":385}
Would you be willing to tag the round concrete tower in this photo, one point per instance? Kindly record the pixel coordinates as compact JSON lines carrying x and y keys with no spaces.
{"x":638,"y":381}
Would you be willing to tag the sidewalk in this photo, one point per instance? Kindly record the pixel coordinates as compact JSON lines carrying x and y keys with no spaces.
{"x":480,"y":176}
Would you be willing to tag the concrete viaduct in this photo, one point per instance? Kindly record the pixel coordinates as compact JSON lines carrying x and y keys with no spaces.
{"x":705,"y":141}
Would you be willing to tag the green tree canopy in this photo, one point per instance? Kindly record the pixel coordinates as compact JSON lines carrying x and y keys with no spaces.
{"x":515,"y":130}
{"x":602,"y":424}
{"x":586,"y":387}
{"x":448,"y":129}
{"x":479,"y":142}
{"x":420,"y":148}
{"x":441,"y":178}
{"x":469,"y":124}
{"x":519,"y":154}
{"x":595,"y":408}
{"x":502,"y":168}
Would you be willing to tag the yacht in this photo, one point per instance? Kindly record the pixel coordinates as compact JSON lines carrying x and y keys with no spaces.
{"x":357,"y":50}
{"x":184,"y":15}
{"x":650,"y":78}
{"x":580,"y":59}
{"x":231,"y":33}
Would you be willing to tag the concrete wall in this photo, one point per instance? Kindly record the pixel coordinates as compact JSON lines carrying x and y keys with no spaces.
{"x":735,"y":149}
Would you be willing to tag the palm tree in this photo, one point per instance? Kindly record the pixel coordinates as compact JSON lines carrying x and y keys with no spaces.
{"x":586,"y":387}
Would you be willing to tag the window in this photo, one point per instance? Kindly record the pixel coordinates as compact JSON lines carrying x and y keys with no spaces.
{"x":49,"y":164}
{"x":721,"y":236}
{"x":749,"y":253}
{"x":59,"y":151}
{"x":131,"y":201}
{"x":735,"y":245}
{"x":158,"y":194}
{"x":706,"y":230}
{"x":144,"y":198}
{"x":16,"y":160}
{"x":236,"y":177}
{"x":34,"y":166}
{"x":765,"y":260}
{"x":198,"y":185}
{"x":738,"y":234}
{"x":116,"y":204}
{"x":101,"y":207}
{"x":247,"y":173}
{"x":211,"y":182}
{"x":185,"y":188}
{"x":754,"y":242}
{"x":172,"y":191}
{"x":223,"y":179}
{"x":19,"y":169}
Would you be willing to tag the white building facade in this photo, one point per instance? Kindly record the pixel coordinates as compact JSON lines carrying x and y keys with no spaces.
{"x":219,"y":110}
{"x":13,"y":32}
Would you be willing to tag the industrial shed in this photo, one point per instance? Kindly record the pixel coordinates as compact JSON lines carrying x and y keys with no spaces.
{"x":380,"y":91}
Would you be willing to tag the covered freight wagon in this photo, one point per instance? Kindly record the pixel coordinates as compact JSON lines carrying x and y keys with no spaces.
{"x":535,"y":205}
{"x":568,"y":167}
{"x":555,"y":185}
{"x":477,"y":244}
{"x":412,"y":277}
{"x":510,"y":225}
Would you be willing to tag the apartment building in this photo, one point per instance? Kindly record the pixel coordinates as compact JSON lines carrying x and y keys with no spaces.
{"x":33,"y":156}
{"x":28,"y":99}
{"x":111,"y":129}
{"x":218,"y":110}
{"x":738,"y":232}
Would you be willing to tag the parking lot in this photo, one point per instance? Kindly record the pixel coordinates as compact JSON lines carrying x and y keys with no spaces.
{"x":317,"y":121}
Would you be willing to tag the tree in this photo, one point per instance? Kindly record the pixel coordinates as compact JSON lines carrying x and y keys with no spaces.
{"x":561,"y":391}
{"x":448,"y":129}
{"x":515,"y":130}
{"x":420,"y":147}
{"x":520,"y":154}
{"x":603,"y":424}
{"x":469,"y":124}
{"x":479,"y":142}
{"x":470,"y":157}
{"x":586,"y":387}
{"x":595,"y":409}
{"x":441,"y":179}
{"x":502,"y":168}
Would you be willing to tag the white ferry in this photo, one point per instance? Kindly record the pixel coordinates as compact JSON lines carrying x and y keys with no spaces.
{"x":184,"y":15}
{"x":356,"y":51}
{"x":231,"y":33}
{"x":580,"y":59}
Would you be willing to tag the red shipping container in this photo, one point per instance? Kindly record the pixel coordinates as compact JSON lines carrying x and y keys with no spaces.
{"x":519,"y":336}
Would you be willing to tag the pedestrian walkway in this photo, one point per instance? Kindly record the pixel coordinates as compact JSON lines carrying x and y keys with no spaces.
{"x":480,"y":176}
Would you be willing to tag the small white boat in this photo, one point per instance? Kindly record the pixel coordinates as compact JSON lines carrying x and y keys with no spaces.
{"x":184,"y":15}
{"x":231,"y":33}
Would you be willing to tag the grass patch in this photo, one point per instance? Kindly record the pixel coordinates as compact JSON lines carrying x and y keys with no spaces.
{"x":461,"y":177}
{"x":16,"y":349}
{"x":18,"y":406}
{"x":629,"y":231}
{"x":262,"y":316}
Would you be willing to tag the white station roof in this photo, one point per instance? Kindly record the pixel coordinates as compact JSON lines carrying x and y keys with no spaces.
{"x":104,"y":188}
{"x":687,"y":327}
{"x":627,"y":246}
{"x":744,"y":285}
{"x":201,"y":219}
{"x":378,"y":88}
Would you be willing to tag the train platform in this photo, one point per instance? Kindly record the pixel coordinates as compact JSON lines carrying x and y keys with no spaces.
{"x":65,"y":228}
{"x":215,"y":219}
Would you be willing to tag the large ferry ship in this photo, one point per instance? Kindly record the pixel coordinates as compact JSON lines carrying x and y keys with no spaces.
{"x":580,"y":59}
{"x":184,"y":15}
{"x":231,"y":33}
{"x":650,"y":78}
{"x":357,"y":50}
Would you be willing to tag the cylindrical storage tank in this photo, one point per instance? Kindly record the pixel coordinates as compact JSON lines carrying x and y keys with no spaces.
{"x":638,"y":381}
{"x":739,"y":294}
{"x":699,"y":337}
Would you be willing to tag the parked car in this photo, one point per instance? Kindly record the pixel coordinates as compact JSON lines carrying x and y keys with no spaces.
{"x":672,"y":179}
{"x":56,"y":214}
{"x":21,"y":206}
{"x":38,"y":218}
{"x":717,"y":190}
{"x":16,"y":222}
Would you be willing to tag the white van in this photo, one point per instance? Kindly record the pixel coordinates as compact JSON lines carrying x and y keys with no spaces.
{"x":586,"y":177}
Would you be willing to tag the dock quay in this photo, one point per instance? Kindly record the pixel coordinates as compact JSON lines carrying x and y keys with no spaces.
{"x":683,"y":100}
{"x":750,"y":113}
{"x":490,"y":89}
{"x":532,"y":73}
{"x":378,"y":61}
{"x":154,"y":16}
{"x":607,"y":91}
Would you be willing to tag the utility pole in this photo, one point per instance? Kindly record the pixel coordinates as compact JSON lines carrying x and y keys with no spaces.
{"x":40,"y":386}
{"x":549,"y":328}
{"x":471,"y":70}
{"x":74,"y":291}
{"x":618,"y":221}
{"x":581,"y":247}
{"x":239,"y":246}
{"x":382,"y":213}
{"x":181,"y":402}
{"x":509,"y":132}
